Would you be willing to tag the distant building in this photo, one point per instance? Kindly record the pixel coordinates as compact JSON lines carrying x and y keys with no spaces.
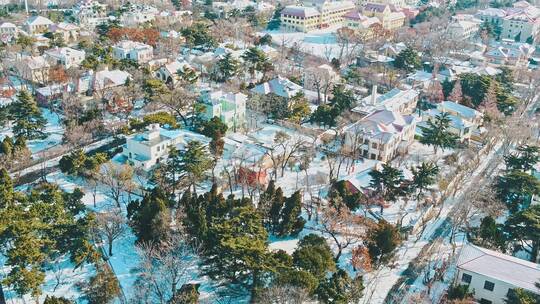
{"x":33,"y":69}
{"x":229,"y":107}
{"x":390,"y":17}
{"x":104,"y":80}
{"x":381,"y":135}
{"x":509,"y":53}
{"x":362,"y":24}
{"x":37,"y":25}
{"x":168,"y":73}
{"x":280,"y":86}
{"x":69,"y":31}
{"x":135,"y":14}
{"x":65,"y":56}
{"x":132,"y":50}
{"x":521,"y":22}
{"x":8,"y":31}
{"x":90,"y":13}
{"x":314,"y":15}
{"x":397,"y":100}
{"x":464,"y":121}
{"x":464,"y":26}
{"x":492,"y":275}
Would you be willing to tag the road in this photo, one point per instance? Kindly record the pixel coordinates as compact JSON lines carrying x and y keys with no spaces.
{"x":442,"y":227}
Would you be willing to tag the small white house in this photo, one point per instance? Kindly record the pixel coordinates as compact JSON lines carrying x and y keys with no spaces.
{"x":491,"y":275}
{"x":464,"y":121}
{"x":132,"y":50}
{"x":37,"y":25}
{"x":65,"y":56}
{"x":147,"y":149}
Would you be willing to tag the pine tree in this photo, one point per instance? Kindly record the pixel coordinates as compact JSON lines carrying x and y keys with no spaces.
{"x":27,"y":118}
{"x":55,"y":300}
{"x":515,"y":188}
{"x":382,"y":240}
{"x":424,"y":176}
{"x":524,"y":160}
{"x":408,"y":60}
{"x":239,"y":253}
{"x":7,"y":146}
{"x":291,"y":220}
{"x":7,"y":194}
{"x":438,"y":134}
{"x":341,"y":288}
{"x":314,"y":256}
{"x":523,"y":228}
{"x":227,"y":67}
{"x":388,"y":182}
{"x":456,"y":95}
{"x":102,"y":288}
{"x":275,"y":210}
{"x":149,"y":217}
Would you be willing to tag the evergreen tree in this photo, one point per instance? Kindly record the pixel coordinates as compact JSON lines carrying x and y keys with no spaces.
{"x":7,"y":146}
{"x":55,"y":300}
{"x":341,"y":289}
{"x":27,"y":118}
{"x":325,"y":115}
{"x":516,"y":188}
{"x":489,"y":106}
{"x":314,"y":256}
{"x":149,"y":217}
{"x":255,"y":59}
{"x":382,"y":240}
{"x":214,"y":128}
{"x":7,"y":193}
{"x":491,"y":234}
{"x":388,"y":182}
{"x":102,"y":288}
{"x":227,"y":67}
{"x":521,"y":296}
{"x":340,"y":192}
{"x":424,"y":176}
{"x":239,"y":254}
{"x":438,"y":134}
{"x":523,"y":228}
{"x":291,"y":220}
{"x":524,"y":160}
{"x":408,"y":60}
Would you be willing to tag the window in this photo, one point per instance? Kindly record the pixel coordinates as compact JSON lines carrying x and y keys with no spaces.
{"x":484,"y":301}
{"x":466,"y":278}
{"x":489,"y":285}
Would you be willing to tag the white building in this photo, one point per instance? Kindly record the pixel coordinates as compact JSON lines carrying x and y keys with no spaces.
{"x":463,"y":26}
{"x":90,"y":13}
{"x":397,"y":100}
{"x":8,"y":31}
{"x":280,"y":86}
{"x":492,"y":274}
{"x":229,"y":107}
{"x":132,"y":50}
{"x":464,"y":121}
{"x":168,"y":73}
{"x":381,"y":135}
{"x":145,"y":150}
{"x":136,"y":14}
{"x":521,"y":22}
{"x":106,"y":79}
{"x":69,"y":31}
{"x":65,"y":56}
{"x":37,"y":25}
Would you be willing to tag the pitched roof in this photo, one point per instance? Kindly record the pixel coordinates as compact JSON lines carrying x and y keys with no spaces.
{"x":502,"y":267}
{"x":280,"y":86}
{"x":300,"y":11}
{"x":38,"y":20}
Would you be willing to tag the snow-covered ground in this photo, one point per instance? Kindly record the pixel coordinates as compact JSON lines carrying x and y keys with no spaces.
{"x":54,"y":131}
{"x":321,"y":43}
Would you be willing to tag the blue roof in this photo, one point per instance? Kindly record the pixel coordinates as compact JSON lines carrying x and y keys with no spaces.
{"x":463,"y":110}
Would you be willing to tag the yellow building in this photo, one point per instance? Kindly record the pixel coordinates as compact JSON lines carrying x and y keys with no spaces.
{"x":315,"y":15}
{"x":360,"y":23}
{"x":390,"y":17}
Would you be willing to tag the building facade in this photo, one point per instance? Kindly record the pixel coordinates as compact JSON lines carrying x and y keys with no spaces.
{"x":132,"y":50}
{"x":314,"y":15}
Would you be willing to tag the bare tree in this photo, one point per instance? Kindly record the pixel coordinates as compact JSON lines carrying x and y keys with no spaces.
{"x":285,"y":294}
{"x":283,"y":150}
{"x":111,"y":225}
{"x":344,"y":228}
{"x":164,"y":268}
{"x":118,"y":179}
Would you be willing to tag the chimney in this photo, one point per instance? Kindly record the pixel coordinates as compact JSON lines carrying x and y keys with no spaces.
{"x":373,"y":95}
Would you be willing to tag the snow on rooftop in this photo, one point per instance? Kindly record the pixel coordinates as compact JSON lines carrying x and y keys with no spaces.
{"x":506,"y":268}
